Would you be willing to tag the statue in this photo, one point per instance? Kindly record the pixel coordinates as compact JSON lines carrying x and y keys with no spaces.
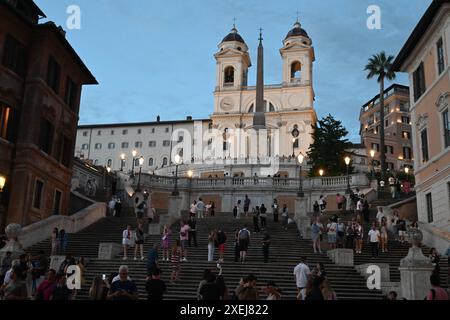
{"x":12,"y":232}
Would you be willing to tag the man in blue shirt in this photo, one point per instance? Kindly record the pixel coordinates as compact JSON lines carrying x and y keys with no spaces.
{"x":123,"y":289}
{"x":152,"y":259}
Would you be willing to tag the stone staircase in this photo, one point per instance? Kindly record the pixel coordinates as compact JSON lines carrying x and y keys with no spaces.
{"x":284,"y":253}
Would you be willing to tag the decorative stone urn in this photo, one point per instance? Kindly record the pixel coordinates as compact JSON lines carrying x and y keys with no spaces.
{"x":12,"y":232}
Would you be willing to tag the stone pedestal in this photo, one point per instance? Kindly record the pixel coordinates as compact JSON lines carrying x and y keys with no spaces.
{"x":301,"y":207}
{"x":341,"y":257}
{"x":154,"y":229}
{"x":56,"y":261}
{"x":227,"y":202}
{"x":108,"y":251}
{"x":301,"y":218}
{"x":175,"y":207}
{"x":415,"y":272}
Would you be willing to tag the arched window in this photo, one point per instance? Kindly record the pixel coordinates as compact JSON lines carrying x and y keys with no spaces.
{"x":269,"y":107}
{"x":96,"y":162}
{"x":164,"y":163}
{"x":296,"y":69}
{"x":109,"y":163}
{"x":229,"y":75}
{"x":150,"y":162}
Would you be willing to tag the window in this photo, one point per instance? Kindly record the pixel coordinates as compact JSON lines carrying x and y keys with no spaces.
{"x":38,"y":188}
{"x":71,"y":94}
{"x":109,"y":163}
{"x":67,"y":152}
{"x":446,"y":127}
{"x":85,"y":133}
{"x":46,"y":136}
{"x":424,"y":142}
{"x":405,"y":119}
{"x":429,"y":207}
{"x":84,"y":146}
{"x":180,"y":139}
{"x":124,"y":145}
{"x":99,"y":132}
{"x":419,"y":82}
{"x":407,"y":154}
{"x":136,"y":162}
{"x":98,"y":146}
{"x":125,"y":131}
{"x":296,"y":143}
{"x":164,"y":163}
{"x":296,"y":68}
{"x":53,"y":74}
{"x":389,"y":149}
{"x":166,"y":143}
{"x":376,"y":147}
{"x":96,"y":162}
{"x":57,"y":202}
{"x":138,"y":144}
{"x":406,"y":135}
{"x":150,"y":162}
{"x":139,"y":131}
{"x":229,"y":75}
{"x":152,"y":144}
{"x":386,"y":123}
{"x":390,"y":165}
{"x":6,"y":122}
{"x":111,"y":145}
{"x":167,"y":130}
{"x":112,"y":132}
{"x":15,"y":56}
{"x":210,"y":127}
{"x":440,"y":56}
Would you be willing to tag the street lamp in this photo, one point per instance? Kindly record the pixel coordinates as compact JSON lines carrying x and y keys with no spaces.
{"x":122,"y":159}
{"x":141,"y":163}
{"x":300,"y":159}
{"x":177,"y":159}
{"x":2,"y":183}
{"x":190,"y":174}
{"x":108,"y":169}
{"x":293,"y":147}
{"x":321,"y":172}
{"x":347,"y":163}
{"x":372,"y":155}
{"x":133,"y":153}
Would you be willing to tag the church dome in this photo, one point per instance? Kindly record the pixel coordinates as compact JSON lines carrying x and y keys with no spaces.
{"x":233,"y":36}
{"x":297,"y":31}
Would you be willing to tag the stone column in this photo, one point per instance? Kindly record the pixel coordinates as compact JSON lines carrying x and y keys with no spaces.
{"x":174,"y":209}
{"x":227,"y":202}
{"x":301,"y":218}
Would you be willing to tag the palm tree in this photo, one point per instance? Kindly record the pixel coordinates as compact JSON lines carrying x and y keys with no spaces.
{"x":381,"y":66}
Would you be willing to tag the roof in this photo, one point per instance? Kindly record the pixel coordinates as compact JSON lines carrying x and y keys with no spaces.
{"x":395,"y":85}
{"x":139,"y":124}
{"x":297,"y":31}
{"x":418,"y":33}
{"x":233,"y":37}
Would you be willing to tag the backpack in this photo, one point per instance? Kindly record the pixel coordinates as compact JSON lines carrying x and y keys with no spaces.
{"x":243,"y":234}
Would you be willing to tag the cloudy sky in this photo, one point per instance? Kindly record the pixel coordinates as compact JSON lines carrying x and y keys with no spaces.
{"x":155,"y":57}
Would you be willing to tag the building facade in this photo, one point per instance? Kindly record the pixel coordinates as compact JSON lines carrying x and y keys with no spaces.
{"x":41,"y":77}
{"x":425,"y":57}
{"x":398,"y":139}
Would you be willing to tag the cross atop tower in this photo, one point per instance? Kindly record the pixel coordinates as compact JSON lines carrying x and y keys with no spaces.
{"x":234,"y":22}
{"x":260,"y":35}
{"x":297,"y":16}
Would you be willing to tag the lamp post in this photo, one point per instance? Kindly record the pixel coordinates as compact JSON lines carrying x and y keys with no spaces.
{"x":347,"y":163}
{"x":293,"y":147}
{"x":3,"y":214}
{"x":321,"y":172}
{"x":229,"y":147}
{"x":407,"y":173}
{"x":122,"y":159}
{"x":372,"y":155}
{"x":141,"y":163}
{"x":177,"y":159}
{"x":300,"y":159}
{"x":190,"y":174}
{"x":133,"y":153}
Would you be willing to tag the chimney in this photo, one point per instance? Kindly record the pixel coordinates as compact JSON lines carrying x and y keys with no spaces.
{"x":158,"y":119}
{"x":189,"y":118}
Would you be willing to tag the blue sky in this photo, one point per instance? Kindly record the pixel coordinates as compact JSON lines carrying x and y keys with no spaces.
{"x":156,"y":57}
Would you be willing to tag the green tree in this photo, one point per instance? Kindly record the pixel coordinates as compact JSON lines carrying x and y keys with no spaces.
{"x":380,"y":66}
{"x":327,"y":152}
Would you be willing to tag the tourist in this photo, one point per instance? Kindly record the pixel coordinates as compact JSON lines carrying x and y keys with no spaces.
{"x":99,"y":289}
{"x":208,"y":209}
{"x":365,"y":209}
{"x":235,"y":212}
{"x":256,"y":213}
{"x":175,"y":261}
{"x":152,"y":259}
{"x":200,"y":208}
{"x":273,"y":293}
{"x":316,"y":208}
{"x":55,"y":242}
{"x":192,"y":223}
{"x":285,"y":217}
{"x":247,"y":289}
{"x":392,"y":295}
{"x":353,"y":198}
{"x":247,"y":203}
{"x":435,"y":259}
{"x":211,"y":244}
{"x":398,"y":188}
{"x":210,"y":291}
{"x":263,"y":216}
{"x":165,"y":243}
{"x":155,"y":287}
{"x":305,"y":291}
{"x":319,"y":270}
{"x":414,"y":225}
{"x":316,"y":291}
{"x":118,"y":207}
{"x":63,"y":241}
{"x":139,"y":241}
{"x":327,"y":291}
{"x":238,"y":207}
{"x":339,"y":201}
{"x":374,"y":238}
{"x":265,"y":247}
{"x":16,"y":288}
{"x":350,"y":233}
{"x":140,"y":206}
{"x":392,"y":186}
{"x":244,"y":242}
{"x":302,"y":273}
{"x":123,"y":289}
{"x":204,"y":280}
{"x":275,"y":210}
{"x":322,"y":204}
{"x":151,"y":214}
{"x":401,"y":228}
{"x":340,"y":234}
{"x":111,"y":207}
{"x":223,"y":289}
{"x":82,"y":265}
{"x":184,"y":239}
{"x":359,"y":206}
{"x":213,"y":209}
{"x":221,"y":239}
{"x":193,"y":209}
{"x":68,"y":261}
{"x":436,"y":292}
{"x":39,"y":269}
{"x":316,"y":228}
{"x":384,"y":235}
{"x":61,"y":292}
{"x":359,"y":235}
{"x":6,"y":265}
{"x":237,"y":249}
{"x":332,"y":231}
{"x":45,"y":289}
{"x":344,"y":203}
{"x":126,"y":241}
{"x":380,"y":215}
